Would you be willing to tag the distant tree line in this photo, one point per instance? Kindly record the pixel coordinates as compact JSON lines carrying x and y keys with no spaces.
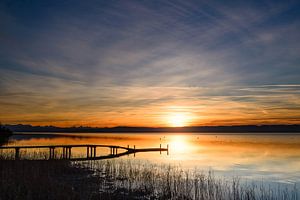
{"x":195,"y":129}
{"x":4,"y":131}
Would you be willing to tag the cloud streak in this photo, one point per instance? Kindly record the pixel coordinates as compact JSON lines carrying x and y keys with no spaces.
{"x":133,"y":62}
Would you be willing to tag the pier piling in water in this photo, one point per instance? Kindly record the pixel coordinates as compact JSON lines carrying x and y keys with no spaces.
{"x":159,"y":148}
{"x":91,"y":151}
{"x":51,"y":153}
{"x":67,"y":152}
{"x":17,"y":153}
{"x":167,"y":149}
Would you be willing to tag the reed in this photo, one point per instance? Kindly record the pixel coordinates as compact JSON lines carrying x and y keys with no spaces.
{"x":124,"y":179}
{"x":171,"y":182}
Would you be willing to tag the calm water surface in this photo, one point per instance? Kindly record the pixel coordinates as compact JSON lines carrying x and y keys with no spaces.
{"x":256,"y":157}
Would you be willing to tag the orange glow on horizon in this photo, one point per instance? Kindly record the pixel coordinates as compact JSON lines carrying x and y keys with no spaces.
{"x":180,"y":115}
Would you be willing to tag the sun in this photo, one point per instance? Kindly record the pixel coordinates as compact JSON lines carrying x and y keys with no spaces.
{"x":178,"y":120}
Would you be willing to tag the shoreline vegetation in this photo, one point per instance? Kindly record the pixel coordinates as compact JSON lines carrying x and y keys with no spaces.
{"x":124,"y":179}
{"x":5,"y":133}
{"x":192,"y":129}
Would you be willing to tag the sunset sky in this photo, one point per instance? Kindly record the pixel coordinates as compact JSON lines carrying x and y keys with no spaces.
{"x":149,"y":63}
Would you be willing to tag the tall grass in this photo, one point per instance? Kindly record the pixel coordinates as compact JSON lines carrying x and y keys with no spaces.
{"x":124,"y":179}
{"x":171,"y":182}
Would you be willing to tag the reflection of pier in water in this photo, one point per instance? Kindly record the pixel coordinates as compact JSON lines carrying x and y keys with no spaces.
{"x":91,"y":151}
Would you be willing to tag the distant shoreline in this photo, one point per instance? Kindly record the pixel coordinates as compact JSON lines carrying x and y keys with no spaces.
{"x":86,"y":134}
{"x":250,"y":129}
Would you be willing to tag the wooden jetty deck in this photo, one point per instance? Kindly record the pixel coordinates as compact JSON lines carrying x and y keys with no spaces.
{"x":91,"y":151}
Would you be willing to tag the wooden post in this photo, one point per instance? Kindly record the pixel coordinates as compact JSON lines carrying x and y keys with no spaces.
{"x":87,"y":151}
{"x":91,"y":152}
{"x":70,"y":152}
{"x":65,"y":153}
{"x":159,"y":148}
{"x":94,"y":151}
{"x":53,"y":152}
{"x":17,"y":155}
{"x":167,"y":149}
{"x":50,"y":153}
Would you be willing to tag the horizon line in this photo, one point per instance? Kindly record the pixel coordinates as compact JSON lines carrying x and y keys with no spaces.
{"x":121,"y":126}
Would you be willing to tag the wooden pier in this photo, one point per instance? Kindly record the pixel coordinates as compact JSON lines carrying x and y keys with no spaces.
{"x":91,"y":151}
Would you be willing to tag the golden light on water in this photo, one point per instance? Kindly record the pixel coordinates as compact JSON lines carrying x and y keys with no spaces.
{"x":179,"y":144}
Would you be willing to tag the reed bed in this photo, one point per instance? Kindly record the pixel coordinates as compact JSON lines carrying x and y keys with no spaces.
{"x":153,"y":181}
{"x":24,"y":180}
{"x":124,"y":179}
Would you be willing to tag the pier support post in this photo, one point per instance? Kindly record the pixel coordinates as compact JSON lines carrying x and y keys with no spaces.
{"x":63,"y":153}
{"x":51,"y":153}
{"x":87,"y":151}
{"x":17,"y":153}
{"x":91,"y":151}
{"x":69,"y":156}
{"x":133,"y":150}
{"x":67,"y":152}
{"x":167,"y":149}
{"x":159,"y":148}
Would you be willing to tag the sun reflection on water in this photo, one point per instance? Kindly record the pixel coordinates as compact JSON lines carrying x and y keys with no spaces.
{"x":179,"y":144}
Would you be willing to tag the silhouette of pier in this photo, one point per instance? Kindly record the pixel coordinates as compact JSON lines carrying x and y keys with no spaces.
{"x":91,"y":151}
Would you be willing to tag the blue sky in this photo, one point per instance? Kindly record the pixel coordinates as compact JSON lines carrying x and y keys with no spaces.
{"x":110,"y":63}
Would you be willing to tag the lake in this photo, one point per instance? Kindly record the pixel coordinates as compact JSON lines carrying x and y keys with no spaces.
{"x":259,"y":157}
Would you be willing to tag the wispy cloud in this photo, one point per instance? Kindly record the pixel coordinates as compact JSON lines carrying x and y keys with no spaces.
{"x":100,"y":62}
